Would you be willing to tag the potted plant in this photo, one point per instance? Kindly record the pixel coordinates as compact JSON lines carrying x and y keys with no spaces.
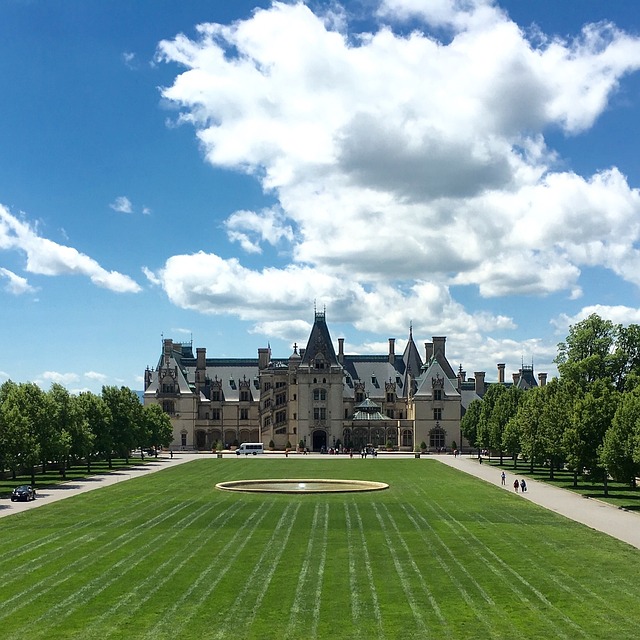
{"x":301,"y":446}
{"x":389,"y":445}
{"x":423,"y":446}
{"x":272,"y":445}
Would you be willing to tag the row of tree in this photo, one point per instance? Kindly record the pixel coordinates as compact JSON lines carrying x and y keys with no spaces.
{"x":587,"y":419}
{"x":42,"y":428}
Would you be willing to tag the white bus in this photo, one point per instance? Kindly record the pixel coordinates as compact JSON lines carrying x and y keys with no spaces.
{"x":250,"y":448}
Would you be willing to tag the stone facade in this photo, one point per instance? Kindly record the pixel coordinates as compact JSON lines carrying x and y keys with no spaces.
{"x":316,"y":396}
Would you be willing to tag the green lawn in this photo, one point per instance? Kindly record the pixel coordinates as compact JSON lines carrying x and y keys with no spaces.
{"x":438,"y":555}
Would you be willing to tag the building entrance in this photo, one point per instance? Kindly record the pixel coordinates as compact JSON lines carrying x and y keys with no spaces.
{"x":319,"y":440}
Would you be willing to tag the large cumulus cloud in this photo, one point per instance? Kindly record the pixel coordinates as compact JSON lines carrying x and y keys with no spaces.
{"x":402,"y":159}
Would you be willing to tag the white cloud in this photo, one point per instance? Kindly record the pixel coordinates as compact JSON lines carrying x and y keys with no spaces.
{"x":402,"y":164}
{"x":250,"y":229}
{"x":64,"y":379}
{"x":49,"y":258}
{"x":618,"y":314}
{"x":122,"y":204}
{"x":181,"y":330}
{"x":16,"y":284}
{"x":94,"y":375}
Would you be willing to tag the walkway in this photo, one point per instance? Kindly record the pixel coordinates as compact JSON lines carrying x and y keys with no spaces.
{"x":598,"y":515}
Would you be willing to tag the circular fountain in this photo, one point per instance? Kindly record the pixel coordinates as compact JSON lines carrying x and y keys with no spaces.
{"x":315,"y":485}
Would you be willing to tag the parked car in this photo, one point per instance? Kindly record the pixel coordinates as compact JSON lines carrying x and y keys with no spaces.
{"x":23,"y":492}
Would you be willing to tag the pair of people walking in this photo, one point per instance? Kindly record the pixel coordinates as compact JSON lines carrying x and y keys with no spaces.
{"x":522,"y":485}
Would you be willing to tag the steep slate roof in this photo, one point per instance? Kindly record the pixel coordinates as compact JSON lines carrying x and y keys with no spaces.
{"x":527,"y":379}
{"x":435,"y":370}
{"x":230,"y":374}
{"x":319,"y":342}
{"x":373,"y":371}
{"x":174,"y":362}
{"x":411,"y":360}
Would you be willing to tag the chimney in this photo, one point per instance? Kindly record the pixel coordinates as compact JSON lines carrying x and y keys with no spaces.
{"x":516,"y":379}
{"x":428,"y":350}
{"x":168,"y":348}
{"x":463,"y":376}
{"x":201,"y":357}
{"x":479,"y":380}
{"x":263,"y":358}
{"x":501,"y":367}
{"x":542,"y":379}
{"x":438,"y":344}
{"x":340,"y":350}
{"x":392,"y":350}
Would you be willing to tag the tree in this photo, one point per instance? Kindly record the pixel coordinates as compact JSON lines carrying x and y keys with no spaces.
{"x":469,"y":422}
{"x":18,"y":417}
{"x":504,"y":408}
{"x":485,"y":427}
{"x":619,"y":443}
{"x":557,"y":406}
{"x":593,"y":413}
{"x":511,"y":439}
{"x":627,"y":355}
{"x":158,"y":426}
{"x":528,"y":419}
{"x":96,"y":417}
{"x":587,"y":354}
{"x":62,"y":417}
{"x":126,"y":419}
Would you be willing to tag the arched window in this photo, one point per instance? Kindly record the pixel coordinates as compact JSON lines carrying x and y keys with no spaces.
{"x":319,"y":394}
{"x":407,"y":438}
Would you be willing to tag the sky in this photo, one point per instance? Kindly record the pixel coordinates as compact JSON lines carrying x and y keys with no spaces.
{"x":215,"y":171}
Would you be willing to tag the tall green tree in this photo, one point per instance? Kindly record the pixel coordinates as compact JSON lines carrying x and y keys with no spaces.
{"x":529,"y":425}
{"x":469,"y":422}
{"x":20,"y":418}
{"x":487,"y":429}
{"x":587,"y":353}
{"x":619,"y":443}
{"x":511,"y":439}
{"x":62,"y":416}
{"x":157,"y":426}
{"x":593,"y":413}
{"x":504,"y":408}
{"x":126,"y":419}
{"x":557,"y":406}
{"x":96,"y":432}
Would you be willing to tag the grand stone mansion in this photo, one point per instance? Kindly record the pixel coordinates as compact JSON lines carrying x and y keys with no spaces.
{"x":316,"y":396}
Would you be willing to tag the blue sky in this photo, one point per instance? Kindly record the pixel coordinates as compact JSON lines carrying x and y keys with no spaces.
{"x":467,"y":168}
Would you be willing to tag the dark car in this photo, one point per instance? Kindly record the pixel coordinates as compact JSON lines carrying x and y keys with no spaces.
{"x":23,"y":492}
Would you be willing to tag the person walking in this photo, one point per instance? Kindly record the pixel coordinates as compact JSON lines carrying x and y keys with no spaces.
{"x":516,"y":484}
{"x":503,"y":476}
{"x":523,"y":485}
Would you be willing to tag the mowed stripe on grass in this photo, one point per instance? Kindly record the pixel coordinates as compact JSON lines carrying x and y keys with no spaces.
{"x":437,"y":555}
